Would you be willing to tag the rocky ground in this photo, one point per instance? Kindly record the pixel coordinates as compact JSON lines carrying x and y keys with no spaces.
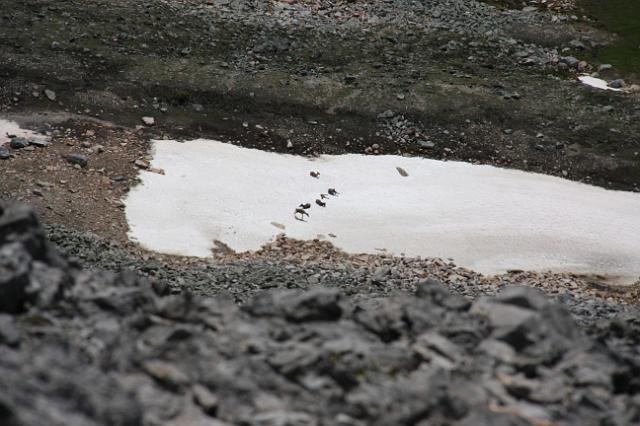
{"x":81,"y":347}
{"x":300,"y":333}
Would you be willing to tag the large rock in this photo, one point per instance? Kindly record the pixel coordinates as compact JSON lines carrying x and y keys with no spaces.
{"x":434,"y":290}
{"x":30,"y":268}
{"x":19,"y":223}
{"x":18,"y":143}
{"x":315,"y":305}
{"x":15,"y":264}
{"x":78,"y":159}
{"x":523,"y":318}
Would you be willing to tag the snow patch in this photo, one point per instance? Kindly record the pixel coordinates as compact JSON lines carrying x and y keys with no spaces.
{"x":485,"y":218}
{"x":11,"y":128}
{"x":598,"y":83}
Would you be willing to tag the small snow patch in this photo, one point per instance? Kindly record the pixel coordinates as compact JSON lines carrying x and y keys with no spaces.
{"x":598,"y":83}
{"x":10,"y":130}
{"x":149,"y":121}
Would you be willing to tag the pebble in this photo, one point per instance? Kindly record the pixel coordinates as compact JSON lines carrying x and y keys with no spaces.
{"x":571,"y":61}
{"x":41,"y":143}
{"x":4,"y":153}
{"x":18,"y":143}
{"x":577,"y":44}
{"x":166,"y":373}
{"x":349,"y":79}
{"x":386,"y":114}
{"x":50,"y":94}
{"x":78,"y":159}
{"x":617,"y":84}
{"x":205,"y":399}
{"x":143,"y":164}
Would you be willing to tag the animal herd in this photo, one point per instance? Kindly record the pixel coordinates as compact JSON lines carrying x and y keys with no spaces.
{"x":301,"y":210}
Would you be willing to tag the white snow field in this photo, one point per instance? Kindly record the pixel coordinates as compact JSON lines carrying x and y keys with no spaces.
{"x":485,"y":218}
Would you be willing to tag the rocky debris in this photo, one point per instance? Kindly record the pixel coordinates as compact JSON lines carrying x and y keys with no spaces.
{"x":26,"y":261}
{"x":4,"y":153}
{"x":288,"y":263}
{"x":92,"y":347}
{"x":555,"y":5}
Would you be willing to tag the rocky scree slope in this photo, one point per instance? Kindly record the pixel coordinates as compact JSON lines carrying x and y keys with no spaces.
{"x":445,"y":79}
{"x":293,"y":264}
{"x":89,"y":348}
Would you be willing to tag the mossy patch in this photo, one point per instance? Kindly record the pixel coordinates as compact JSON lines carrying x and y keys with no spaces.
{"x":623,"y":18}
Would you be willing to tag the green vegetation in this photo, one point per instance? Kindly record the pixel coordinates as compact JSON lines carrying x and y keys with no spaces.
{"x":623,"y":18}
